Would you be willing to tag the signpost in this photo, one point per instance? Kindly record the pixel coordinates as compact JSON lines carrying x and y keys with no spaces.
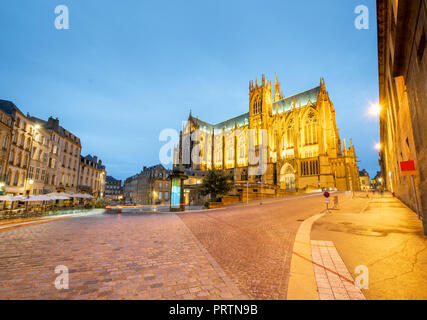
{"x":326,"y":194}
{"x":408,"y":169}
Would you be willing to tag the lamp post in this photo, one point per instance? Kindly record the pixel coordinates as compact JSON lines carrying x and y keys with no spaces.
{"x":30,"y":182}
{"x":36,"y":127}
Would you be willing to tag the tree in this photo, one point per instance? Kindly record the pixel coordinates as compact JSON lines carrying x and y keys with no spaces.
{"x":216,"y":183}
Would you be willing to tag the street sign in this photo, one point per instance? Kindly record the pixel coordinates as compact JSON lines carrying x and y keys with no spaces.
{"x":326,"y":194}
{"x":327,"y":201}
{"x":408,"y":168}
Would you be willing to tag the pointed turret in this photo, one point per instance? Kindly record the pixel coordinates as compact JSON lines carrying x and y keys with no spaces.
{"x":277,"y":93}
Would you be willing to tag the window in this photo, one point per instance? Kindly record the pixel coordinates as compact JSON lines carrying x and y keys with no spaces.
{"x":421,"y":47}
{"x":242,"y":146}
{"x":310,"y":167}
{"x":160,"y":195}
{"x":166,"y":195}
{"x":5,"y":142}
{"x":289,"y":139}
{"x":230,"y":147}
{"x":31,"y":172}
{"x":310,"y":129}
{"x":37,"y":175}
{"x":160,"y":185}
{"x":15,"y":180}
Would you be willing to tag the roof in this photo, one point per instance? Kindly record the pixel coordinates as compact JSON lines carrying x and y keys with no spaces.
{"x":8,"y":107}
{"x":112,"y":180}
{"x":301,"y":99}
{"x":157,"y":166}
{"x":53,"y":124}
{"x":94,"y":164}
{"x":241,"y":120}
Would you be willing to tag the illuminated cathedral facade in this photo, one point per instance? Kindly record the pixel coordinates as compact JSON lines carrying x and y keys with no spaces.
{"x":297,"y":135}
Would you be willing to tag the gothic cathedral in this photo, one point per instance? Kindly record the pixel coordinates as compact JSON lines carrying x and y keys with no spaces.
{"x":300,"y":140}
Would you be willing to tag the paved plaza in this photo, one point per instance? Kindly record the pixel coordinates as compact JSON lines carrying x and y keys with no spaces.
{"x":232,"y":253}
{"x":109,"y":256}
{"x":253,"y":251}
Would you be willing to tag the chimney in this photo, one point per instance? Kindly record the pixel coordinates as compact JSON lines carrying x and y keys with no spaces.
{"x":53,"y":123}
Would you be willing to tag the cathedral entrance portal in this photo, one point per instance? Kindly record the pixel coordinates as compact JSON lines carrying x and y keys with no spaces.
{"x":287,"y":177}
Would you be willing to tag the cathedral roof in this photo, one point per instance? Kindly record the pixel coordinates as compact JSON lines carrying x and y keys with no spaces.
{"x":226,"y":125}
{"x":284,"y":105}
{"x":301,"y":98}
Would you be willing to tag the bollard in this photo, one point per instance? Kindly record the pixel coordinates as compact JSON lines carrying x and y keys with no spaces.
{"x":335,"y":202}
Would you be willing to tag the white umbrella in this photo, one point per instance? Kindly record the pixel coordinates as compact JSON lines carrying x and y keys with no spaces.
{"x":81,"y":195}
{"x":59,"y":198}
{"x":9,"y":198}
{"x":37,"y":198}
{"x":58,"y":195}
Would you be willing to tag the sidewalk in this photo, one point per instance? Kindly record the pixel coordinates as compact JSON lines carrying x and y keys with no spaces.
{"x":385,"y":236}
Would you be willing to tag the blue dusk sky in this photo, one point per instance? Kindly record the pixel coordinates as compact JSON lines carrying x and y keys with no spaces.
{"x":125,"y":70}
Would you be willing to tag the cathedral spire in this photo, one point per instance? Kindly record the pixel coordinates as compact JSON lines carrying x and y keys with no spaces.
{"x":277,"y":93}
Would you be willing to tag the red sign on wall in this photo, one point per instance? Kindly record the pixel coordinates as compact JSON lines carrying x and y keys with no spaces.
{"x":408,"y":168}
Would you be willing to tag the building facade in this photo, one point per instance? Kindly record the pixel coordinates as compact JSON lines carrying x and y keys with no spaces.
{"x":296,"y":137}
{"x":56,"y":153}
{"x":92,"y":176}
{"x":5,"y":140}
{"x":40,"y":157}
{"x":365,"y":182}
{"x":23,"y":131}
{"x":113,"y":189}
{"x":150,"y":186}
{"x":402,"y":28}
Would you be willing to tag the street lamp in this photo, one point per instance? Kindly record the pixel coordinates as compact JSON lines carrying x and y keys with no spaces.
{"x":375,"y":110}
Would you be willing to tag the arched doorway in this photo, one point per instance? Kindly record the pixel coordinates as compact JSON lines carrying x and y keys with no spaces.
{"x":287,"y":177}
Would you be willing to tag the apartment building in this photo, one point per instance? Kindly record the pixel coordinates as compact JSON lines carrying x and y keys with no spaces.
{"x":61,"y":164}
{"x":402,"y":64}
{"x":113,"y":188}
{"x":39,"y":157}
{"x":92,"y":176}
{"x":5,"y":140}
{"x":150,"y":186}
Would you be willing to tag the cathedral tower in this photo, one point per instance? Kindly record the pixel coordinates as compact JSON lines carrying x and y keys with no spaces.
{"x":260,"y":104}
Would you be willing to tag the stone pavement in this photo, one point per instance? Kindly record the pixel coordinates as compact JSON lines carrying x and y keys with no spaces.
{"x":253,"y":244}
{"x":334,"y":281}
{"x":110,"y":257}
{"x":385,"y":236}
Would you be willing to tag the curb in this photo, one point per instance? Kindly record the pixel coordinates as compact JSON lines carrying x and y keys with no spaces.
{"x":302,"y":282}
